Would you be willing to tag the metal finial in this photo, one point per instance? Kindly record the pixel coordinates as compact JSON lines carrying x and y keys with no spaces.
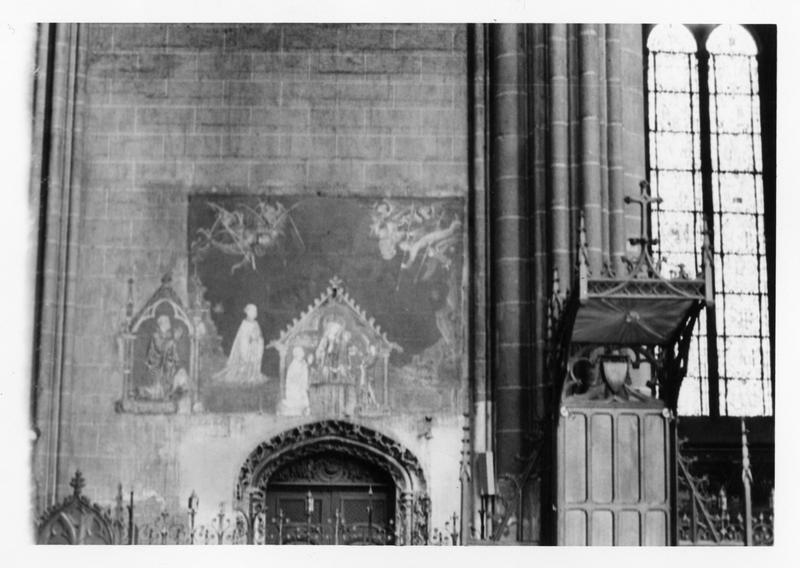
{"x":129,"y":303}
{"x":77,"y":483}
{"x":583,"y":242}
{"x":555,"y":305}
{"x":583,"y":261}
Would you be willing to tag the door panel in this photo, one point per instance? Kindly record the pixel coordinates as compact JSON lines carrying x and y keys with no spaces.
{"x":341,"y":515}
{"x":612,"y":476}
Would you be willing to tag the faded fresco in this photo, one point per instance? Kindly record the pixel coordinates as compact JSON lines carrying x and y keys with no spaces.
{"x":157,"y":348}
{"x":328,"y":306}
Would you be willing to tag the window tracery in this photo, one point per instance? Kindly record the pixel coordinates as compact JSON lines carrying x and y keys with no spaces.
{"x":706,"y":162}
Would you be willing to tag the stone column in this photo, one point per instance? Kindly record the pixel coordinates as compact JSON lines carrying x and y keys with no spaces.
{"x":509,"y":243}
{"x":55,"y":187}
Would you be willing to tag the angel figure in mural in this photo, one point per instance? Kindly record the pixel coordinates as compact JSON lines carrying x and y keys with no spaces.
{"x":246,"y":232}
{"x":295,"y":402}
{"x":247,"y":349}
{"x":166,"y":374}
{"x":424,"y":232}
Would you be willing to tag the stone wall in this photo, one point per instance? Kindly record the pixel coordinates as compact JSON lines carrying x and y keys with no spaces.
{"x":175,"y":110}
{"x":333,"y":111}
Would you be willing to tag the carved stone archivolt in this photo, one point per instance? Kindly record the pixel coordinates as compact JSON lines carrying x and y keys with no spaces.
{"x":318,"y":441}
{"x":333,"y":469}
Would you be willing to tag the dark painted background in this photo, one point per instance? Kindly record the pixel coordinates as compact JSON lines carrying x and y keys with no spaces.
{"x":334,"y":239}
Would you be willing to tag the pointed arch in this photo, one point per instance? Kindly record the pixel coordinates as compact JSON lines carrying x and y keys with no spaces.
{"x":346,"y":439}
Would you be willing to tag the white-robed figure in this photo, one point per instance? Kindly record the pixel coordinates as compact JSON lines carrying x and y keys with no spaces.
{"x":295,"y":403}
{"x":247,"y":349}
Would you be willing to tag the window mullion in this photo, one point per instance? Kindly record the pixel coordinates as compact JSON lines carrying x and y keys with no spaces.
{"x":708,"y":212}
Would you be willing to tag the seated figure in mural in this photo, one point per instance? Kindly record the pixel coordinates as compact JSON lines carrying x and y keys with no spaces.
{"x":247,"y":349}
{"x":164,"y":369}
{"x":331,"y":350}
{"x":295,"y":403}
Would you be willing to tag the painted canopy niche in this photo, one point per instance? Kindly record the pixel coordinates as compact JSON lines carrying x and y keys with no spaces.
{"x":338,"y":355}
{"x":157,"y":350}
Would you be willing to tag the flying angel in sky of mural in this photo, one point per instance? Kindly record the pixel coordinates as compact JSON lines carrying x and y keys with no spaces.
{"x":426,"y":235}
{"x":246,"y":232}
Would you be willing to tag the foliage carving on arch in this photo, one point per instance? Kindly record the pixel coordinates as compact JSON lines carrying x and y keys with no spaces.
{"x":331,"y":435}
{"x":412,"y":509}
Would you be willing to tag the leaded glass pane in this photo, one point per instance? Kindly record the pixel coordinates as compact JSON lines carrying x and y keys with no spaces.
{"x":719,"y":285}
{"x":675,"y":150}
{"x":732,"y":114}
{"x":732,"y":74}
{"x":739,"y":194}
{"x":671,"y":72}
{"x":745,"y":398}
{"x":759,"y":193}
{"x":680,"y":191}
{"x":734,"y":152}
{"x":756,"y":144}
{"x":693,"y":393}
{"x":693,"y":397}
{"x":764,"y":314}
{"x":731,"y":39}
{"x":766,"y":362}
{"x":674,"y":112}
{"x":743,"y":357}
{"x":739,"y":274}
{"x":677,"y":231}
{"x":671,"y":37}
{"x":739,"y":233}
{"x":742,"y":315}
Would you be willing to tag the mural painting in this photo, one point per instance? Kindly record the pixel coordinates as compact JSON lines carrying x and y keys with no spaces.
{"x":327,"y":306}
{"x":333,"y":358}
{"x":157,"y":349}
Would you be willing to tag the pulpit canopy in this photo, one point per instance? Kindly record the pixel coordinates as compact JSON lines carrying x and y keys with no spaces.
{"x":641,"y":315}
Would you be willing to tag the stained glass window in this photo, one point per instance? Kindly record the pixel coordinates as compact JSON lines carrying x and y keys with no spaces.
{"x":722,"y":115}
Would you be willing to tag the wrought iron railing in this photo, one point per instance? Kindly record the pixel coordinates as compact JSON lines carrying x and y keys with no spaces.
{"x":262,"y":529}
{"x":122,"y":524}
{"x":704,"y":516}
{"x":707,"y":516}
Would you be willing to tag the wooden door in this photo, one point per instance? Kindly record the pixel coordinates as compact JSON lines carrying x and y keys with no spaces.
{"x":330,"y":498}
{"x":339,"y":515}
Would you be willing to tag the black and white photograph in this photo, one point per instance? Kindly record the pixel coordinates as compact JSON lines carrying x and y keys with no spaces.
{"x":400,"y":283}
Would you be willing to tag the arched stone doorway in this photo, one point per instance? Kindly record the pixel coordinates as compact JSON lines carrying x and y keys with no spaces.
{"x":279,"y":470}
